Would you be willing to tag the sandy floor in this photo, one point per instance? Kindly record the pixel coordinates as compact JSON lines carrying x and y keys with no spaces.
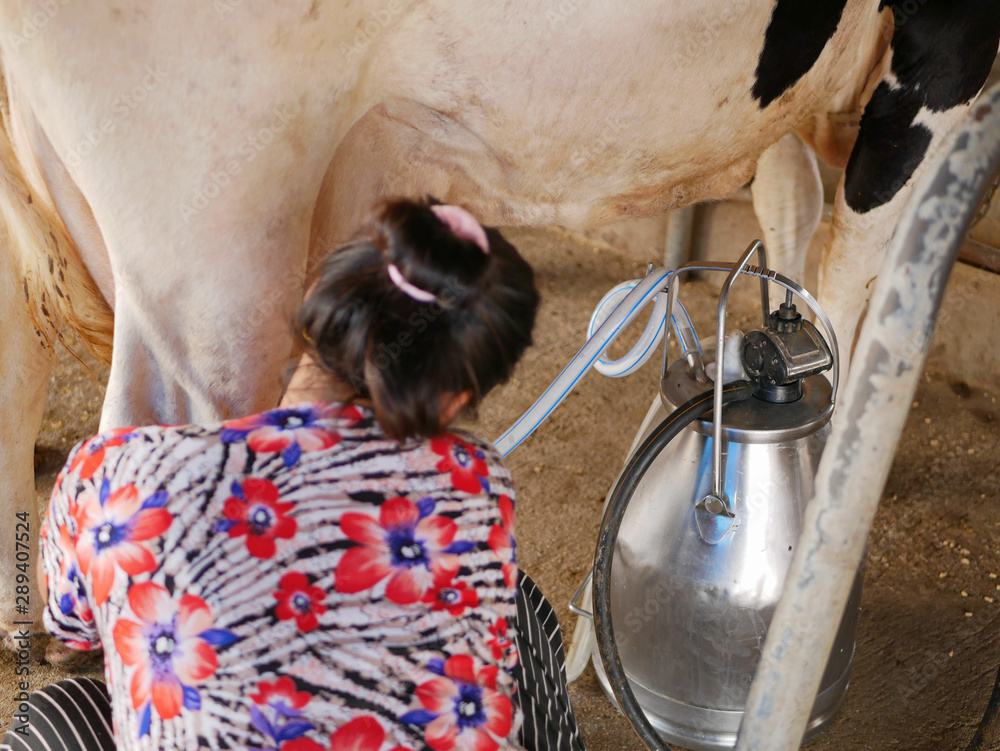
{"x":928,"y":644}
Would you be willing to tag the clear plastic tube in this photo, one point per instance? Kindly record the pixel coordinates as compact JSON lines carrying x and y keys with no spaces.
{"x":643,"y":348}
{"x":686,"y":335}
{"x":613,"y":314}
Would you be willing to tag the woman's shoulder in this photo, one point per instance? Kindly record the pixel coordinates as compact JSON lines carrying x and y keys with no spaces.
{"x":91,"y":454}
{"x":474,"y":464}
{"x":477,"y":440}
{"x":300,"y":428}
{"x":458,"y":440}
{"x":297,"y":419}
{"x":286,"y":430}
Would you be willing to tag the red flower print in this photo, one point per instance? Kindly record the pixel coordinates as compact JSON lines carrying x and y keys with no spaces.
{"x":296,"y":599}
{"x":91,"y":453}
{"x":111,"y":529}
{"x":302,"y":744}
{"x":451,"y":595}
{"x":171,"y":647}
{"x":462,"y":709}
{"x":408,"y":543}
{"x":466,"y":464}
{"x":72,"y":592}
{"x":501,"y":541}
{"x":291,"y":431}
{"x":350,"y":414}
{"x":363,"y":733}
{"x":501,"y":644}
{"x":254,"y":510}
{"x":79,"y":646}
{"x":282,"y":696}
{"x":285,"y":703}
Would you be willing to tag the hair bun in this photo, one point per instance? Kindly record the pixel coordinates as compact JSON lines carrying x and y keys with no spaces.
{"x":479,"y":301}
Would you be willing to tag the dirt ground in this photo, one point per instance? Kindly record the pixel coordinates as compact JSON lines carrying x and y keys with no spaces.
{"x":928,"y":645}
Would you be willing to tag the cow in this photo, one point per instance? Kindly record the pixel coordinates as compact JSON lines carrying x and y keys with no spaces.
{"x":173,"y":171}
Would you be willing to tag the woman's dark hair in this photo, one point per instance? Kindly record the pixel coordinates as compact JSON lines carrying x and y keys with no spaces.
{"x":403,"y":354}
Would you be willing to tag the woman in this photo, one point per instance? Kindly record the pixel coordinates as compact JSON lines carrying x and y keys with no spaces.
{"x":337,"y":573}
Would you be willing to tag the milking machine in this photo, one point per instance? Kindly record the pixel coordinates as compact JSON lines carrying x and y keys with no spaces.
{"x":701,"y":525}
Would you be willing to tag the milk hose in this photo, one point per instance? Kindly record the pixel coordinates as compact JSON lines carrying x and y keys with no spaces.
{"x":651,"y":335}
{"x":637,"y":466}
{"x":635,"y":296}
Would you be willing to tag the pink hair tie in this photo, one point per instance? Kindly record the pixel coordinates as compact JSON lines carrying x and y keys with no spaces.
{"x":420,"y":295}
{"x":463,"y":224}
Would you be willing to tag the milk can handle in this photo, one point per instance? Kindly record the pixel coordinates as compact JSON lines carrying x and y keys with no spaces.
{"x":718,"y":476}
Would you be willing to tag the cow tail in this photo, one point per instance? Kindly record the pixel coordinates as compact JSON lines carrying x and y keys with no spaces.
{"x":58,"y":290}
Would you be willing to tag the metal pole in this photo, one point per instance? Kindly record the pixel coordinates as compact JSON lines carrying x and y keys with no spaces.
{"x":677,"y":245}
{"x":888,"y":362}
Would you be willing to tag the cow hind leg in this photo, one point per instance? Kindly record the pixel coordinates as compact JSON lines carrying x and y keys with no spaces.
{"x":43,"y":287}
{"x":928,"y":88}
{"x":24,"y":373}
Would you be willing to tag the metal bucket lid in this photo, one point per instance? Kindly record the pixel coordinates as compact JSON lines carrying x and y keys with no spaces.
{"x":754,"y":420}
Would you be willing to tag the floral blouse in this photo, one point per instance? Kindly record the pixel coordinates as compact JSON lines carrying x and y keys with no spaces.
{"x":290,"y":581}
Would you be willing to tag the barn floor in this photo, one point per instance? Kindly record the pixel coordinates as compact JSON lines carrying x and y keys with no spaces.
{"x":929,"y":632}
